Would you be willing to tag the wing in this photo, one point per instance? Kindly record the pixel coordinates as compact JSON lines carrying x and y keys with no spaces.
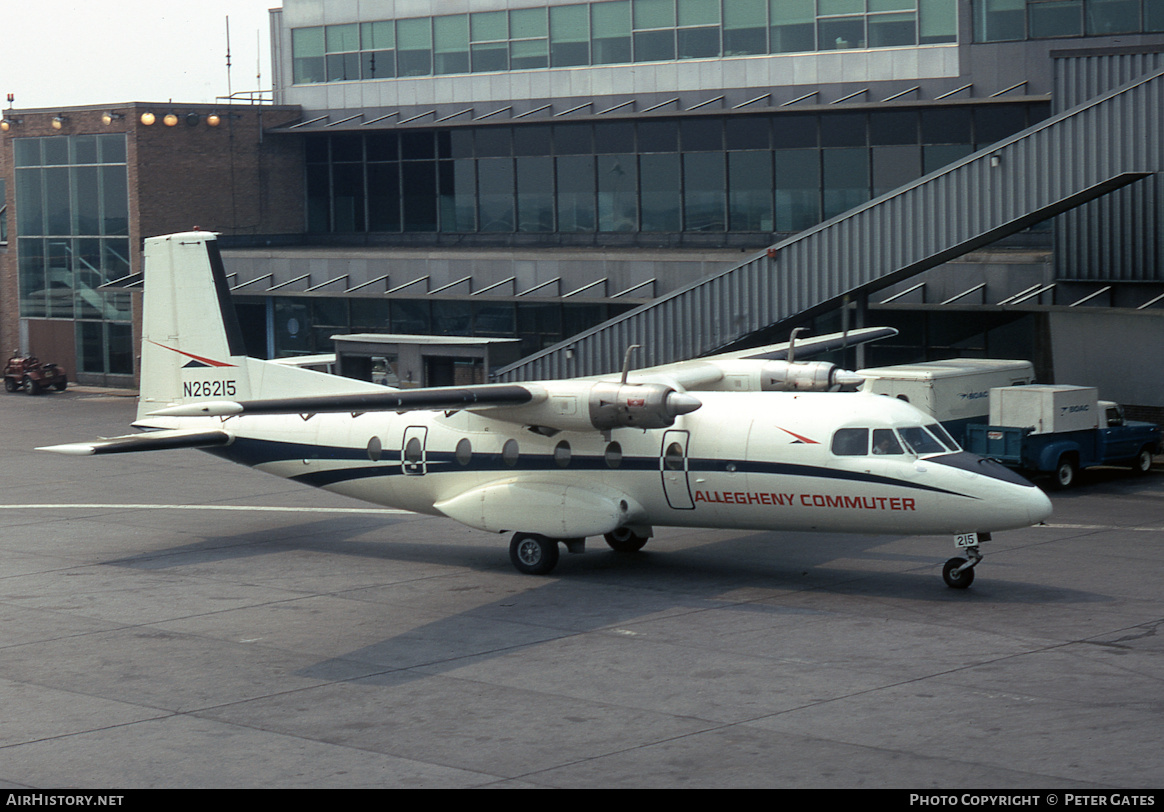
{"x":390,"y":400}
{"x":700,"y":373}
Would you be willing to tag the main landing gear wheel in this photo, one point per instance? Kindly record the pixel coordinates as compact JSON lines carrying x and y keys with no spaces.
{"x":533,"y":554}
{"x":625,"y":540}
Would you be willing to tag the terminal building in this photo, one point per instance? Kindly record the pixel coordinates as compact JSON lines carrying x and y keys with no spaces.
{"x":533,"y":169}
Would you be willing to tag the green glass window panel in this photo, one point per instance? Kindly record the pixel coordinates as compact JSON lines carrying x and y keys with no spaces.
{"x":348,"y":197}
{"x":58,"y":207}
{"x":87,"y":193}
{"x":120,"y":347}
{"x":414,"y":47}
{"x":890,"y":30}
{"x":529,"y":53}
{"x":378,"y":35}
{"x":30,"y":202}
{"x":115,"y":259}
{"x":654,"y":13}
{"x":936,"y":156}
{"x":413,"y":34}
{"x":342,"y":38}
{"x":797,"y":188}
{"x":1112,"y":16}
{"x":845,"y":174}
{"x":610,"y":19}
{"x":489,"y":25}
{"x":26,"y":151}
{"x":420,"y":195}
{"x":698,"y":12}
{"x":343,"y":67}
{"x":841,"y":33}
{"x":793,"y":26}
{"x":384,"y":197}
{"x":33,"y":288}
{"x":841,"y":6}
{"x":111,"y":149}
{"x":654,"y":46}
{"x":1154,"y":15}
{"x":750,"y":191}
{"x":495,"y":179}
{"x":458,"y":191}
{"x":754,"y":13}
{"x":60,"y":278}
{"x":704,"y":192}
{"x":661,"y":196}
{"x":937,"y":21}
{"x":617,"y":193}
{"x":570,"y":23}
{"x":745,"y":27}
{"x":535,"y":194}
{"x":493,"y":56}
{"x":569,"y":35}
{"x":450,"y":33}
{"x":697,"y":43}
{"x":998,"y":20}
{"x":576,"y":193}
{"x":895,"y":166}
{"x":56,"y":151}
{"x":307,"y":42}
{"x":892,"y":5}
{"x":527,"y":22}
{"x":90,"y":347}
{"x":451,"y":44}
{"x":84,"y":149}
{"x":1055,"y":18}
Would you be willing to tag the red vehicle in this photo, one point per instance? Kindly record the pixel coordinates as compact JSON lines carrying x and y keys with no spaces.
{"x":29,"y":374}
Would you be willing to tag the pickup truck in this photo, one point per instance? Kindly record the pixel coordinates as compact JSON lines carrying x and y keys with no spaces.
{"x":1061,"y":430}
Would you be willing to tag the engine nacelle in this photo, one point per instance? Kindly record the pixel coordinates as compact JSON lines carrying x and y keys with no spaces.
{"x":808,"y":376}
{"x":640,"y":406}
{"x":602,"y":405}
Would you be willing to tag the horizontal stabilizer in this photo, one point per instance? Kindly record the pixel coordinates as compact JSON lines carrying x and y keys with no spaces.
{"x":390,"y":400}
{"x":146,"y":441}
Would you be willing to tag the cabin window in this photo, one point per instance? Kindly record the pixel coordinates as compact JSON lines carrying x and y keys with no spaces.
{"x":851,"y":442}
{"x":885,"y":442}
{"x":562,"y":454}
{"x":613,"y":455}
{"x":509,"y":453}
{"x":673,"y":457}
{"x":413,"y":451}
{"x":464,"y":452}
{"x":374,"y":449}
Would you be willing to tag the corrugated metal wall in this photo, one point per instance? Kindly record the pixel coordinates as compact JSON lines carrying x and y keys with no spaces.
{"x":1069,"y":158}
{"x":1115,"y":238}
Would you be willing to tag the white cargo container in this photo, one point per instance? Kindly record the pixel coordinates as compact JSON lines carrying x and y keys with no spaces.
{"x":953,"y":391}
{"x":1045,"y":408}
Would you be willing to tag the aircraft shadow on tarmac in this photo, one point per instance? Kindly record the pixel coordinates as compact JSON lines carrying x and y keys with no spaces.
{"x":600,"y":589}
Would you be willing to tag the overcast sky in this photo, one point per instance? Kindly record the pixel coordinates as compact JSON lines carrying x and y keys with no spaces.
{"x":55,"y":53}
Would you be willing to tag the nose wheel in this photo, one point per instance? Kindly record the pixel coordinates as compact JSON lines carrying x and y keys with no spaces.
{"x":958,"y":573}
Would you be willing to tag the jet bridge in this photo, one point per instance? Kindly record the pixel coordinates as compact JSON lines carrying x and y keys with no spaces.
{"x":1106,"y":143}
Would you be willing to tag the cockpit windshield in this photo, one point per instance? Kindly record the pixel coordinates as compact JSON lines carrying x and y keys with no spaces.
{"x":920,"y":441}
{"x":916,"y":440}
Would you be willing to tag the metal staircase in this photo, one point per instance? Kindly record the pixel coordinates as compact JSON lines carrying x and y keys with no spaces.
{"x":1106,"y":143}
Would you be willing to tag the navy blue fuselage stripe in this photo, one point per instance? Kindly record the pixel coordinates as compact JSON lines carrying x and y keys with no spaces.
{"x":257,"y":452}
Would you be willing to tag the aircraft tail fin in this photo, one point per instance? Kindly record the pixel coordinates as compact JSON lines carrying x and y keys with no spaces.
{"x":192,"y":347}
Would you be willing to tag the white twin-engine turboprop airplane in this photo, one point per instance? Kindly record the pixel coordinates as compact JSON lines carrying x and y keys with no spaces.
{"x":752,"y":440}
